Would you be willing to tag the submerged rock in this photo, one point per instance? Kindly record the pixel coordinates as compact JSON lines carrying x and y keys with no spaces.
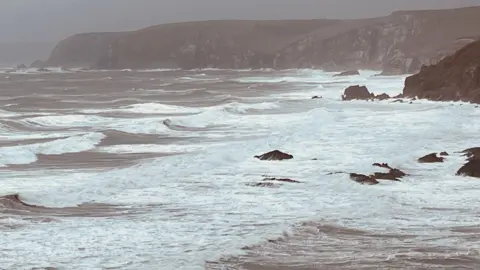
{"x":444,"y":154}
{"x":264,"y":184}
{"x":382,"y":165}
{"x":286,"y":180}
{"x":274,"y":155}
{"x":431,"y":158}
{"x":315,"y":97}
{"x":363,"y":179}
{"x":347,"y":73}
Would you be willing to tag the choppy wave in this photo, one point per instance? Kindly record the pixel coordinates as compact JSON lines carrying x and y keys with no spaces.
{"x":25,"y":154}
{"x":16,"y":205}
{"x":316,"y":245}
{"x":186,"y":153}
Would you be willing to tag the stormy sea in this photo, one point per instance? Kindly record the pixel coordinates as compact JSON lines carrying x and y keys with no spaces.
{"x":155,"y":169}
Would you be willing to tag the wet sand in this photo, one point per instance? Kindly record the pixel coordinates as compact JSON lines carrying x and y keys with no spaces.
{"x":314,"y":245}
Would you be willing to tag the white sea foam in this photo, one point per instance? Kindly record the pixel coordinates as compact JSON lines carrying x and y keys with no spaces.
{"x":153,"y":148}
{"x":25,"y":154}
{"x":73,"y":120}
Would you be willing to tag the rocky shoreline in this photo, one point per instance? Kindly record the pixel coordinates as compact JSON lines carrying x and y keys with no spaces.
{"x":470,"y":169}
{"x":455,"y":78}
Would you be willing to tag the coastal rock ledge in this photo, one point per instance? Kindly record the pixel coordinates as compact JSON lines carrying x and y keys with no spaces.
{"x":455,"y":78}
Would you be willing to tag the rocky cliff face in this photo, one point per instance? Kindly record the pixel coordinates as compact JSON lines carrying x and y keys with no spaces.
{"x":82,"y":50}
{"x":210,"y":44}
{"x":399,"y":43}
{"x":456,"y":77}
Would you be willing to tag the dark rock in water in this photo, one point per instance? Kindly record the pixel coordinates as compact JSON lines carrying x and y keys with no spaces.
{"x":444,"y":154}
{"x":472,"y":153}
{"x":286,"y":180}
{"x":471,"y":168}
{"x":43,"y":70}
{"x":363,"y":179}
{"x":274,"y":155}
{"x":382,"y":165}
{"x":398,"y":101}
{"x":385,"y":176}
{"x":347,"y":73}
{"x":21,"y":66}
{"x":398,"y":96}
{"x":382,"y":97}
{"x":397,"y":173}
{"x":357,"y":92}
{"x":264,"y":184}
{"x":431,"y":158}
{"x":315,"y":97}
{"x":392,"y":174}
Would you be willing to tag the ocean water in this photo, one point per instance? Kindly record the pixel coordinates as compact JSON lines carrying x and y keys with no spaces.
{"x":153,"y":170}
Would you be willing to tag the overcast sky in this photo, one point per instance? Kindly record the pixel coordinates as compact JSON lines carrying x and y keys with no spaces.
{"x":52,"y":20}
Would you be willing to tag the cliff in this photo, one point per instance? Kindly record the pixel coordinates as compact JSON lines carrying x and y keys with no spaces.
{"x":399,"y":43}
{"x":456,"y":77}
{"x":81,"y":50}
{"x":214,"y":44}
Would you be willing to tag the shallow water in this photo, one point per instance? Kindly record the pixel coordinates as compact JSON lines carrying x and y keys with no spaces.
{"x":151,"y":170}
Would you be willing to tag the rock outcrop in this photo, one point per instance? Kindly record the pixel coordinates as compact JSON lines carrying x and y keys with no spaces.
{"x":471,"y":168}
{"x":397,"y":44}
{"x":472,"y":153}
{"x":274,"y":155}
{"x":357,"y":92}
{"x":455,"y":78}
{"x":431,"y":158}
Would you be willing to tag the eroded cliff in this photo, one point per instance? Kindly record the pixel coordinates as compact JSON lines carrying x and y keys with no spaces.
{"x":81,"y":50}
{"x":398,"y":43}
{"x":455,"y":78}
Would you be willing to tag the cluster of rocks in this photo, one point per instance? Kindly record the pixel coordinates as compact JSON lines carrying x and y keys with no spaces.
{"x":273,"y":181}
{"x":393,"y":174}
{"x":471,"y":168}
{"x":357,"y":92}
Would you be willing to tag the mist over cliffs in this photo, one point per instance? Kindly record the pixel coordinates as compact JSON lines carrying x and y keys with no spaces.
{"x":399,"y":43}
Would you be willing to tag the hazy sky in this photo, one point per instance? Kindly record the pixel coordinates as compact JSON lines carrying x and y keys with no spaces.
{"x":52,"y":20}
